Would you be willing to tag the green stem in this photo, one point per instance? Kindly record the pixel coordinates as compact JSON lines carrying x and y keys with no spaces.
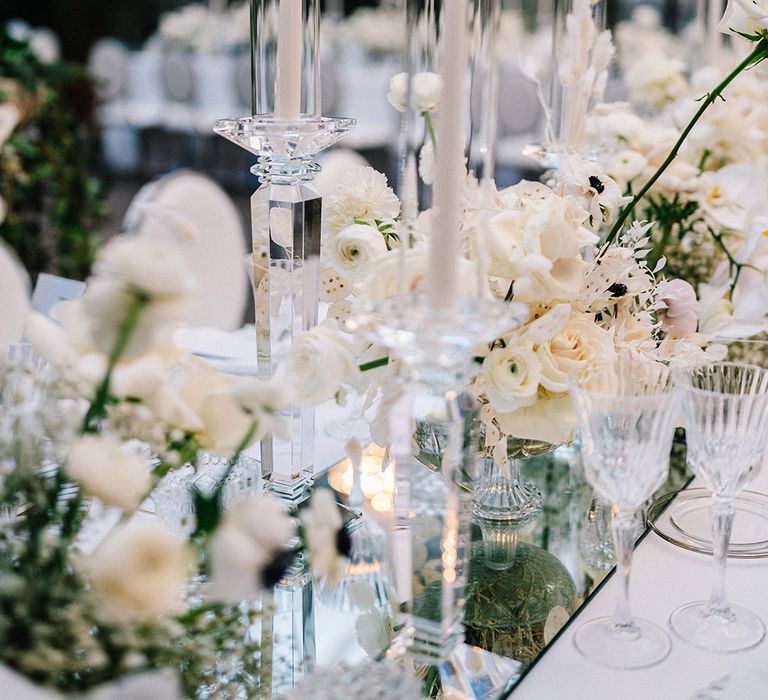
{"x":430,"y":129}
{"x":758,"y":54}
{"x":373,"y":364}
{"x":658,"y":250}
{"x":98,"y":408}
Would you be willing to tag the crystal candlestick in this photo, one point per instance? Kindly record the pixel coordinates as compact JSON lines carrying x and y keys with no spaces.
{"x":286,"y":133}
{"x":432,"y":510}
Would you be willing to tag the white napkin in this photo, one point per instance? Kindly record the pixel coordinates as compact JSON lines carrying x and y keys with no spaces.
{"x":233,"y":352}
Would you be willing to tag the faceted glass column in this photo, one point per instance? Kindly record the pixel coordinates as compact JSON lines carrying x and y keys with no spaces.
{"x":287,"y":634}
{"x":289,"y":304}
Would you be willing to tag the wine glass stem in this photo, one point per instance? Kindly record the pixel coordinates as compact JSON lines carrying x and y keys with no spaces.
{"x":623,"y":526}
{"x":721,"y":519}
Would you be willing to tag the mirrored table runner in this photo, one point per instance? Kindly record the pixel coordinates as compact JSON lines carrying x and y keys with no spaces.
{"x":561,"y":558}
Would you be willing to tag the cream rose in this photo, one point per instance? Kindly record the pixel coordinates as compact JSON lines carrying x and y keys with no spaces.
{"x":320,"y":362}
{"x":510,"y":377}
{"x":108,"y":471}
{"x":582,"y":343}
{"x":355,"y":246}
{"x":139,"y":573}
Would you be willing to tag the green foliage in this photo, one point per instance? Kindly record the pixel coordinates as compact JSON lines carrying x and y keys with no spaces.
{"x":53,"y":202}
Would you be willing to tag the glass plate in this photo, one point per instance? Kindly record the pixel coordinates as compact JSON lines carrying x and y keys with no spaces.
{"x":683,"y":520}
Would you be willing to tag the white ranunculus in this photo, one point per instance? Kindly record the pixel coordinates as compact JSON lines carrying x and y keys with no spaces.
{"x":582,"y":343}
{"x":355,"y":246}
{"x":426,"y":90}
{"x":321,"y":361}
{"x":108,"y":471}
{"x":363,"y":195}
{"x":139,"y":573}
{"x":322,"y":523}
{"x":252,"y":535}
{"x":742,"y":17}
{"x":625,"y":166}
{"x":510,"y":377}
{"x":9,"y":120}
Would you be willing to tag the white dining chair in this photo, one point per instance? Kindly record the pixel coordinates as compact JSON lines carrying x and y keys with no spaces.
{"x":14,"y":296}
{"x":192,"y":209}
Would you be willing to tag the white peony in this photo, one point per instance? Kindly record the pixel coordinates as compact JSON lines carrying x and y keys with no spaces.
{"x":364,"y":195}
{"x":510,"y":377}
{"x":426,"y":90}
{"x":745,"y":17}
{"x":107,"y":470}
{"x":355,"y":246}
{"x":321,"y":361}
{"x":250,"y":539}
{"x":9,"y":120}
{"x":138,"y":573}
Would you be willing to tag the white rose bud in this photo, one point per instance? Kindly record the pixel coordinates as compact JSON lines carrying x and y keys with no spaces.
{"x":426,"y":90}
{"x":355,"y":246}
{"x":106,"y":470}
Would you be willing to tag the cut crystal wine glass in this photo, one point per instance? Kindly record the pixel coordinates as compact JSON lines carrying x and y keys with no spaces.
{"x":726,"y":421}
{"x":626,"y":416}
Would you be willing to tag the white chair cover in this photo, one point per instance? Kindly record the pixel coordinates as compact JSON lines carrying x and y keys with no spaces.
{"x":108,"y":61}
{"x":192,"y":209}
{"x":14,"y":296}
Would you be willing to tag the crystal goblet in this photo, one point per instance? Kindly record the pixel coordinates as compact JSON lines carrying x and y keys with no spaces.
{"x":626,"y":416}
{"x":726,"y":422}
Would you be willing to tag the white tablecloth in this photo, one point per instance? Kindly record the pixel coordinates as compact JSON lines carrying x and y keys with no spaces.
{"x":663,"y":577}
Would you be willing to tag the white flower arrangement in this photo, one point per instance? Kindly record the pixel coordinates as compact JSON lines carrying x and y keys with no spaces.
{"x":115,"y":409}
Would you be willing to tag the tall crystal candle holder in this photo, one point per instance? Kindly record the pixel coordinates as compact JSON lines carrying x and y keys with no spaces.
{"x":436,"y":350}
{"x":567,"y":99}
{"x":285,"y":133}
{"x":484,"y":99}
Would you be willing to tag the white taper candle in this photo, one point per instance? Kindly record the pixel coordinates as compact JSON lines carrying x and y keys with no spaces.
{"x":289,"y":57}
{"x":442,"y":281}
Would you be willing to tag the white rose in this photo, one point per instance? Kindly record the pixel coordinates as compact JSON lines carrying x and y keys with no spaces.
{"x":355,"y":246}
{"x":741,"y":17}
{"x":9,"y":120}
{"x":510,"y":377}
{"x":139,"y":573}
{"x":426,"y":90}
{"x":108,"y":471}
{"x":320,"y":362}
{"x":582,"y":343}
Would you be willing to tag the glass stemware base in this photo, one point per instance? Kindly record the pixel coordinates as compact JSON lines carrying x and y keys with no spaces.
{"x":610,"y":643}
{"x":730,"y":630}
